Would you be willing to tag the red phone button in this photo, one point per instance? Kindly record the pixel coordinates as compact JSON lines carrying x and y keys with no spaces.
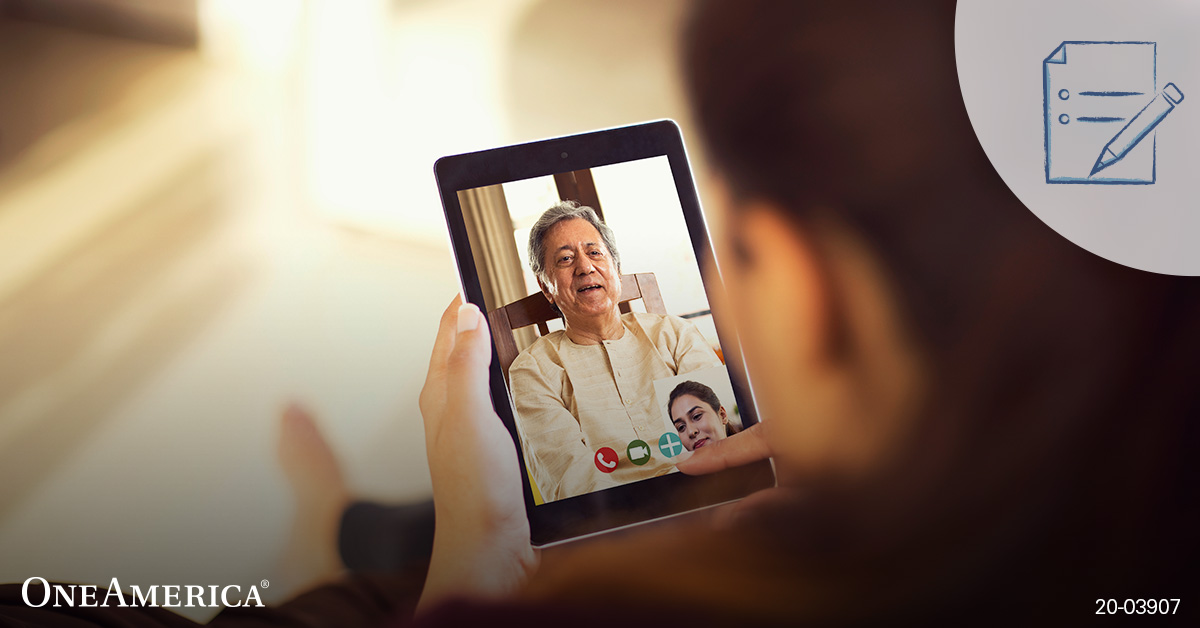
{"x":606,"y":459}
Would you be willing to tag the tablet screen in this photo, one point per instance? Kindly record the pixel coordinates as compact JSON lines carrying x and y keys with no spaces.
{"x":596,"y":413}
{"x":584,"y":253}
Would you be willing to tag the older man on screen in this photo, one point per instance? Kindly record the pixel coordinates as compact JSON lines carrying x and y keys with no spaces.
{"x":591,"y":385}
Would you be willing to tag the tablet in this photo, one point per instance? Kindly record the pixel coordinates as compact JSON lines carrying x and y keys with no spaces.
{"x":585,"y":252}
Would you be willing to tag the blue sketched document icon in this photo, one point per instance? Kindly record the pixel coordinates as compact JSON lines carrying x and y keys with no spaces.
{"x":1102,"y":105}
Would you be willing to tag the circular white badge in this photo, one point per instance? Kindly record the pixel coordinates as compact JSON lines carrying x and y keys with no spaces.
{"x":1090,"y":112}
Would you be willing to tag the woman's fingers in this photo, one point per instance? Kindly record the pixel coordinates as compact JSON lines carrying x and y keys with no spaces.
{"x":747,"y":446}
{"x":466,"y":373}
{"x":433,"y":394}
{"x":446,"y":334}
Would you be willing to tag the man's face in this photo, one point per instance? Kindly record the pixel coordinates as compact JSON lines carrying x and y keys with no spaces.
{"x":584,"y":281}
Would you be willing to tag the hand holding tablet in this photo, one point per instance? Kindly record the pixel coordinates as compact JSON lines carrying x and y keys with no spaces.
{"x":482,"y":544}
{"x":583,"y":251}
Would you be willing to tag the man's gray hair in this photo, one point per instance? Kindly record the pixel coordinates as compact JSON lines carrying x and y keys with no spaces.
{"x":565,"y":210}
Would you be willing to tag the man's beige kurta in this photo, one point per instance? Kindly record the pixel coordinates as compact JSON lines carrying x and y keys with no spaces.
{"x":574,"y":399}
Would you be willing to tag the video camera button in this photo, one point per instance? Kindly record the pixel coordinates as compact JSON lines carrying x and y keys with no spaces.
{"x":638,"y":452}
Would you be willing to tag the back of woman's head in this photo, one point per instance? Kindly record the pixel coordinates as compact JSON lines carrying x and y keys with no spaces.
{"x":1060,"y":408}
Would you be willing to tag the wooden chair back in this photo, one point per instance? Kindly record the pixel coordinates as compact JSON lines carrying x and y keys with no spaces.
{"x":536,"y":310}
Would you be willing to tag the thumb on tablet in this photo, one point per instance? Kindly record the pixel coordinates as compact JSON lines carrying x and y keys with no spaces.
{"x":749,"y":445}
{"x":467,"y":363}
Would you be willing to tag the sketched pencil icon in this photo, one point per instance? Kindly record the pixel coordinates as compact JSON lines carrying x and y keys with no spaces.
{"x":1138,"y":127}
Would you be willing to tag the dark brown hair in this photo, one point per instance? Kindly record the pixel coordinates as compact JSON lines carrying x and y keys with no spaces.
{"x":1053,"y":459}
{"x":1052,"y":455}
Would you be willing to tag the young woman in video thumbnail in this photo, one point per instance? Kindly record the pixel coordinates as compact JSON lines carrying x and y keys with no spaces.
{"x":697,"y":413}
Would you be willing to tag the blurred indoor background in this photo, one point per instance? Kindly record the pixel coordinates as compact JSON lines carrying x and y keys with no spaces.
{"x":211,"y":207}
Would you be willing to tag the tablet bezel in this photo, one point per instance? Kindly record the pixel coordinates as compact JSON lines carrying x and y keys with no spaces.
{"x":636,"y":502}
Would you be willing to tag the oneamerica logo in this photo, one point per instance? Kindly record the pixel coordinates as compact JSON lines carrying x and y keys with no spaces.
{"x":158,"y":595}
